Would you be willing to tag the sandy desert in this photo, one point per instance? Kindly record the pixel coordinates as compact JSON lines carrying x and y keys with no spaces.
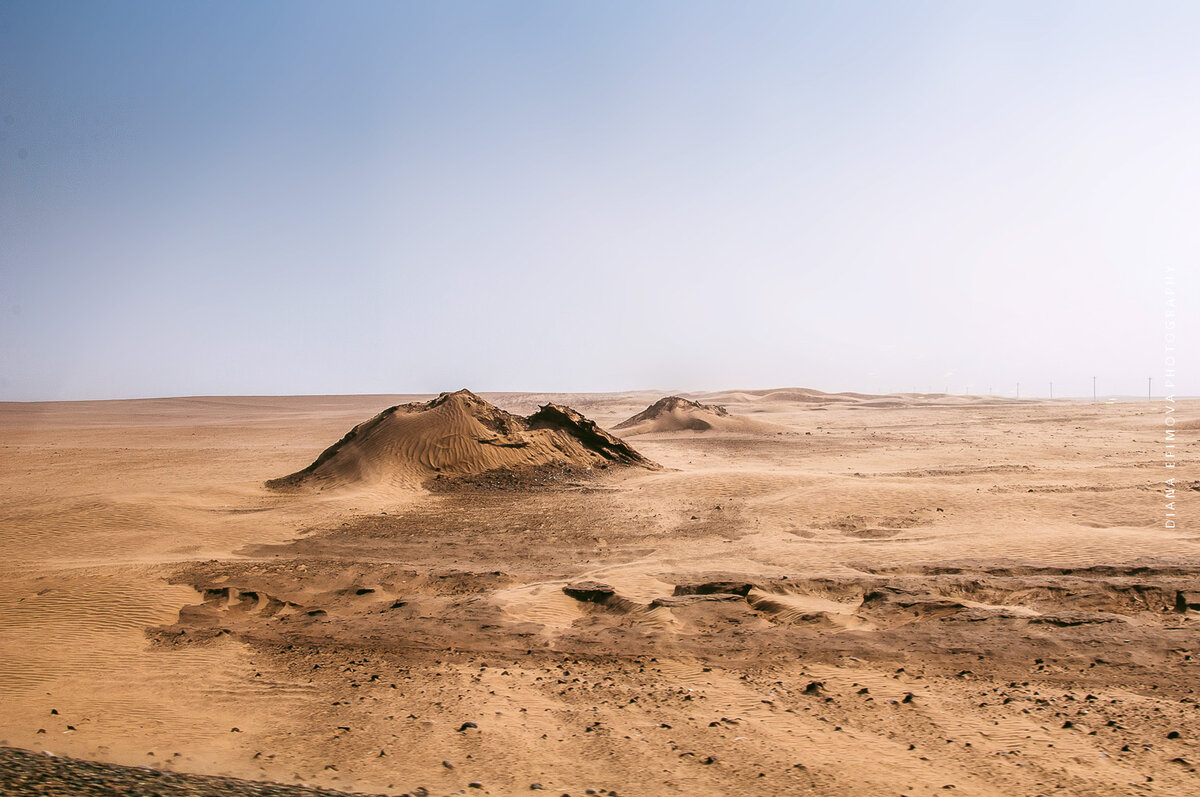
{"x":740,"y":592}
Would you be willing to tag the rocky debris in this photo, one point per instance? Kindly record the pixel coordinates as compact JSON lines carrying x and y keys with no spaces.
{"x":26,"y":772}
{"x":741,"y":588}
{"x":1187,"y":601}
{"x":1067,"y":619}
{"x":687,"y":600}
{"x":908,"y":599}
{"x":553,"y":476}
{"x":591,"y":591}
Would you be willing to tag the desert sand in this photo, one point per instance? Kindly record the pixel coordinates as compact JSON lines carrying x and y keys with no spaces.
{"x":678,"y":414}
{"x":838,"y":594}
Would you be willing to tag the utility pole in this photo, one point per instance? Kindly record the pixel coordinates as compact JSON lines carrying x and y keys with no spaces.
{"x":1149,"y":384}
{"x":1018,"y":390}
{"x":1093,"y":390}
{"x":1051,"y":390}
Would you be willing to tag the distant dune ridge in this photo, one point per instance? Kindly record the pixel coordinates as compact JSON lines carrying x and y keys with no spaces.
{"x":677,"y":414}
{"x":460,"y":433}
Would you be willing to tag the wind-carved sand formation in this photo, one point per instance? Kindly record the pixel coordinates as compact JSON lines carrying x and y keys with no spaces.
{"x":677,"y":414}
{"x":461,"y":434}
{"x":899,"y":594}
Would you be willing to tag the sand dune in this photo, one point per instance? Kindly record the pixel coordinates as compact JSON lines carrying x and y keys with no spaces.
{"x":676,"y":414}
{"x":460,"y":433}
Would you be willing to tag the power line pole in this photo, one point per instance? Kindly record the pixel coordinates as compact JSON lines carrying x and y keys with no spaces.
{"x":1051,"y":390}
{"x":1149,"y":384}
{"x":1093,"y":390}
{"x":1018,"y":390}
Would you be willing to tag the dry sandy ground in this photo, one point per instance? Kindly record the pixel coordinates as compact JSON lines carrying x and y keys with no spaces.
{"x":896,"y":595}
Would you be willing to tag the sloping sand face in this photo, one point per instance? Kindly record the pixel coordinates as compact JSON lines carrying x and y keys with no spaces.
{"x":460,"y":433}
{"x":903,"y":594}
{"x":677,"y":414}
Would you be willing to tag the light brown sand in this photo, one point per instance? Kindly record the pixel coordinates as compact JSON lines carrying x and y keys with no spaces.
{"x":1006,"y":564}
{"x":673,"y":414}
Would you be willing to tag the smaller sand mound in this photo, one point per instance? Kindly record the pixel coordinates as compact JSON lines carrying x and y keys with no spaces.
{"x":461,"y":434}
{"x":676,"y":414}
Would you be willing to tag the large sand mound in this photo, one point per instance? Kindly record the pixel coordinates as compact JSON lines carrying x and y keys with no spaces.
{"x":460,"y":433}
{"x":676,"y":414}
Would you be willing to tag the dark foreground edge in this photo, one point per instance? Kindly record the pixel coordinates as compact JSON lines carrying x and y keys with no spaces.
{"x":23,"y":772}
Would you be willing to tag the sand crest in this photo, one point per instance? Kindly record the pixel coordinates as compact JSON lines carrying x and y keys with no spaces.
{"x":677,"y":414}
{"x":461,"y":433}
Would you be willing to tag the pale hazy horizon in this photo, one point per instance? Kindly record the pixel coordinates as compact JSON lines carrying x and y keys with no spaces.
{"x":383,"y":198}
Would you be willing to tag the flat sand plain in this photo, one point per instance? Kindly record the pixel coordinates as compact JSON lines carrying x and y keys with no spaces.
{"x":875,"y":595}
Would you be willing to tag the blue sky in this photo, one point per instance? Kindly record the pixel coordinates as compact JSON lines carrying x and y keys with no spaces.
{"x":279,"y":198}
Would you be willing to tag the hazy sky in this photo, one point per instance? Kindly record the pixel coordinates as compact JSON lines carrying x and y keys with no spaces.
{"x":287,"y":197}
